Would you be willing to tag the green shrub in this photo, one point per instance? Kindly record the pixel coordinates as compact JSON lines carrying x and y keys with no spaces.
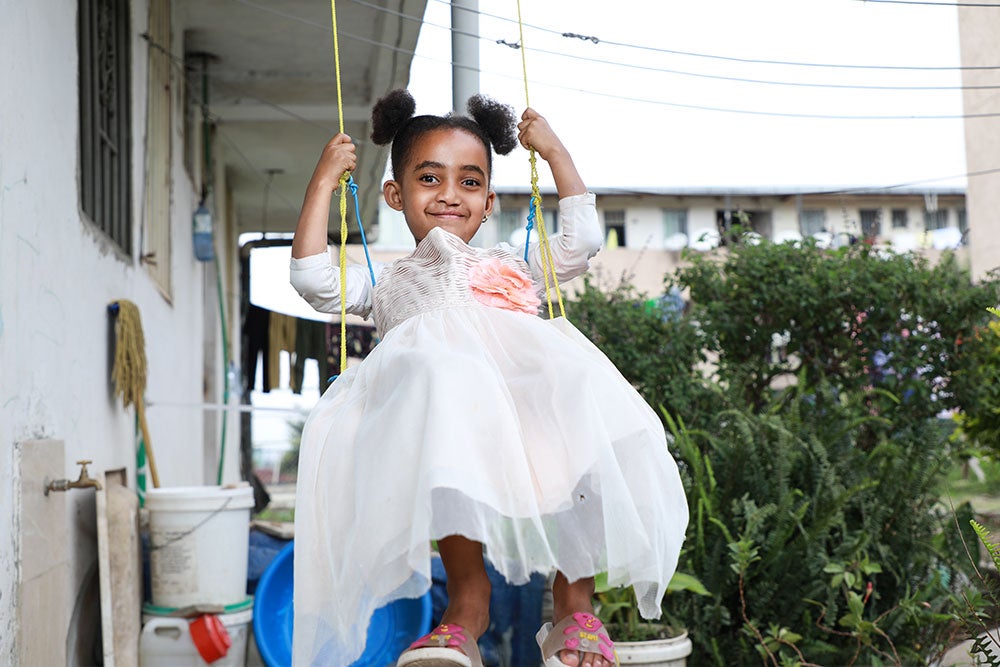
{"x":812,"y":467}
{"x":839,"y":554}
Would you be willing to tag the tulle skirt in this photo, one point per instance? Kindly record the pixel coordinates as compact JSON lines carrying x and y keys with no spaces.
{"x":503,"y":427}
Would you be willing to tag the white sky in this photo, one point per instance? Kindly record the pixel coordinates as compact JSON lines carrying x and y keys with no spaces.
{"x":623,"y":143}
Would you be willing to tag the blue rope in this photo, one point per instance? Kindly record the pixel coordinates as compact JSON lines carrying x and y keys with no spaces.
{"x":529,"y":227}
{"x":357,"y":214}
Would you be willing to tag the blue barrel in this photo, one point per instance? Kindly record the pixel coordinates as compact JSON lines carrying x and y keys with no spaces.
{"x":393,"y":627}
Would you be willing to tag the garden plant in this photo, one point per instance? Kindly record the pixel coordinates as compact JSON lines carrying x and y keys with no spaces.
{"x":809,"y":394}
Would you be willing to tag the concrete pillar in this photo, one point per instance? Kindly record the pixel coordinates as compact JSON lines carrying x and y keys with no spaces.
{"x":979,"y":47}
{"x":464,"y":52}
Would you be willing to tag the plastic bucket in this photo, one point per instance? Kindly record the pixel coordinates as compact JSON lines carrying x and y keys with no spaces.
{"x":672,"y":652}
{"x":198,"y":544}
{"x":166,"y":641}
{"x":392,"y":628}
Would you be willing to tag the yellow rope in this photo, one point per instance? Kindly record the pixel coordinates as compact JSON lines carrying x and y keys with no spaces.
{"x":343,"y":201}
{"x":129,"y":371}
{"x":548,"y":267}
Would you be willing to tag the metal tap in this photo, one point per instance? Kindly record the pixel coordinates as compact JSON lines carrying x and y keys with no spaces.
{"x":82,"y":482}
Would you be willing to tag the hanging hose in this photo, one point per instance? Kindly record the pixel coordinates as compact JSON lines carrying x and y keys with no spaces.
{"x":206,"y":191}
{"x":225,"y":368}
{"x":129,"y":371}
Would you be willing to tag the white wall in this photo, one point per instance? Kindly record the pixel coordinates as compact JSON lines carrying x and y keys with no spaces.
{"x":57,"y":276}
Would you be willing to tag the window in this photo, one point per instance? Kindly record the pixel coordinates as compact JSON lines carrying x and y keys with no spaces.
{"x":812,"y":221}
{"x":507,"y":222}
{"x":614,"y":220}
{"x":675,"y":221}
{"x":900,"y":218}
{"x":105,"y":117}
{"x":937,"y":219}
{"x":550,"y":216}
{"x":871,"y":219}
{"x":156,"y":217}
{"x":963,"y":222}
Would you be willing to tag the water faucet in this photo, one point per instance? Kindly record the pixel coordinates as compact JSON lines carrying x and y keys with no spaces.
{"x":82,"y":482}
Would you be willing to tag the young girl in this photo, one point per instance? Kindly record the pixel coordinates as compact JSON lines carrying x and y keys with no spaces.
{"x":474,"y":422}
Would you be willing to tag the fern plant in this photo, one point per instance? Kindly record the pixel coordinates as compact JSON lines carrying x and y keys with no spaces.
{"x":985,"y":637}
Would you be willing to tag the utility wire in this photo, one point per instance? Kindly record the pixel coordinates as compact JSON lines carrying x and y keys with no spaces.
{"x":179,"y":63}
{"x":679,"y":105}
{"x":664,"y":70}
{"x":254,"y":169}
{"x":933,"y":4}
{"x":761,"y":61}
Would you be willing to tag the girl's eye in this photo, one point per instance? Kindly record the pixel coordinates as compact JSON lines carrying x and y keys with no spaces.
{"x":428,"y":178}
{"x":471,"y":182}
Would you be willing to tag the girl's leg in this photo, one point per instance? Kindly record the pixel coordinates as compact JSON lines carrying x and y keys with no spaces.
{"x":570,"y":598}
{"x":468,"y":584}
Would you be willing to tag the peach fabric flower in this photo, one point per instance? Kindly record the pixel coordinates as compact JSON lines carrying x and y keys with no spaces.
{"x":500,"y":285}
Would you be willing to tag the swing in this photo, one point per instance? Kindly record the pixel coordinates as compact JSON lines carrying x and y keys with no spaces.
{"x":535,"y":218}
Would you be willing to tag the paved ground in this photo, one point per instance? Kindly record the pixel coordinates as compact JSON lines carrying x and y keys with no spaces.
{"x":959,"y":656}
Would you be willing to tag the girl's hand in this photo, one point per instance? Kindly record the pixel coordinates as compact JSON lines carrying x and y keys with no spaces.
{"x":338,"y":156}
{"x":534,"y":132}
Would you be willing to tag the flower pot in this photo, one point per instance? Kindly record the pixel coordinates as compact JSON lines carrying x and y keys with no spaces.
{"x":669,"y":652}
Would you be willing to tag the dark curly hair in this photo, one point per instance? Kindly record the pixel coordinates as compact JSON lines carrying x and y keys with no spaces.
{"x":492,"y":122}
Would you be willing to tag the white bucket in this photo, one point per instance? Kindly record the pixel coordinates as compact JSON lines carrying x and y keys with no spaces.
{"x":166,"y":641}
{"x":199,"y":538}
{"x":671,"y":652}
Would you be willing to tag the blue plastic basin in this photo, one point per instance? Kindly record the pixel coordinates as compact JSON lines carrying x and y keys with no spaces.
{"x":393,"y":627}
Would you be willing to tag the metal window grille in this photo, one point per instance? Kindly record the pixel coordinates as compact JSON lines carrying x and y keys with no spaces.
{"x":509,"y":221}
{"x":675,"y":221}
{"x":105,"y":117}
{"x":812,"y":221}
{"x":614,"y":219}
{"x":900,"y":218}
{"x":871,"y":222}
{"x":936,"y":219}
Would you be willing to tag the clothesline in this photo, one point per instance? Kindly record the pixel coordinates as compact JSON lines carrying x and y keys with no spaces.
{"x":220,"y":407}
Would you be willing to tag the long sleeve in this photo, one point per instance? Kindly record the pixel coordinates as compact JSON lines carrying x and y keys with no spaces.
{"x":578,"y":240}
{"x":317,"y":280}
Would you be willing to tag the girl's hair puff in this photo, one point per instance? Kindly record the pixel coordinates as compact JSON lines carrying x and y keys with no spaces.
{"x":492,"y":122}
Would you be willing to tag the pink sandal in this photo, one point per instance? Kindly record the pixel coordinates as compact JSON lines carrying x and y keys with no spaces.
{"x":438,"y":649}
{"x":579,"y":632}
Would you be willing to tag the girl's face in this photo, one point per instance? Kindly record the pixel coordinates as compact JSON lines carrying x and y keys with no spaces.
{"x":444,"y":184}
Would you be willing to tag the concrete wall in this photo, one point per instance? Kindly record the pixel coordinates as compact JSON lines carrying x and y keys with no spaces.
{"x":58,"y":274}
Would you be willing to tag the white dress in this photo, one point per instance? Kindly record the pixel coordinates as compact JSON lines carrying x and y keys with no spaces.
{"x":473,"y":417}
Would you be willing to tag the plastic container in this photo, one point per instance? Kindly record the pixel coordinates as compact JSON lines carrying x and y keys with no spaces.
{"x":198,"y":544}
{"x":671,"y":652}
{"x":393,"y":627}
{"x":201,"y":228}
{"x":167,"y":641}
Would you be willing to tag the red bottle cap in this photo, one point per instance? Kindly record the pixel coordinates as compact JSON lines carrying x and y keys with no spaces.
{"x":210,"y":637}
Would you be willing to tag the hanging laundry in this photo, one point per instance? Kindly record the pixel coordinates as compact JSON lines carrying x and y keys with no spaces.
{"x":310,"y":343}
{"x":256,"y":336}
{"x":281,"y":337}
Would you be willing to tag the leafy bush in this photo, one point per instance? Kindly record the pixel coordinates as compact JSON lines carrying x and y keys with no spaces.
{"x":802,"y":389}
{"x":813,"y":548}
{"x":856,"y":318}
{"x":980,"y":387}
{"x":657,"y":351}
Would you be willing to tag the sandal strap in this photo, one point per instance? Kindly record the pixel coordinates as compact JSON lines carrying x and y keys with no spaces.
{"x":581,"y":632}
{"x":450,"y":636}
